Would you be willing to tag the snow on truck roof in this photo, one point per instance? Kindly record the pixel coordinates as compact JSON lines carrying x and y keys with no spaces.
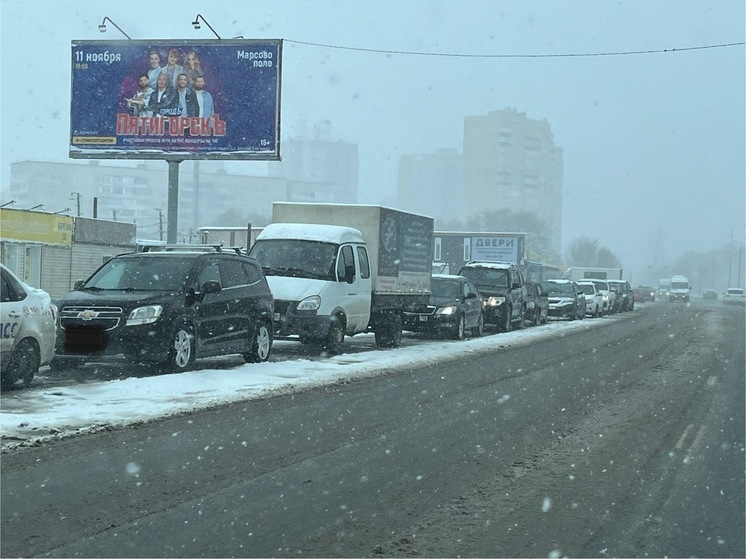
{"x":312,"y":232}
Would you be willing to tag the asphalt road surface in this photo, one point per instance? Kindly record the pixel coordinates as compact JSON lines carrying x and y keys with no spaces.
{"x":623,"y":440}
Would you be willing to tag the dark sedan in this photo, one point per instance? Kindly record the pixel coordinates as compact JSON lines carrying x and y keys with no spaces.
{"x":455,"y":306}
{"x":537,"y":304}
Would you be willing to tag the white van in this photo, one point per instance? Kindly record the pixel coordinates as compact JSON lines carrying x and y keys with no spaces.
{"x":678,"y":289}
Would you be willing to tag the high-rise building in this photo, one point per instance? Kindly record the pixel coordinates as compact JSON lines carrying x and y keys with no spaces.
{"x":313,"y":157}
{"x":511,"y":162}
{"x":430,"y":184}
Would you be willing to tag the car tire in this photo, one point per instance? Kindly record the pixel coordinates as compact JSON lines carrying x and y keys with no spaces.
{"x":23,"y":364}
{"x":507,"y":323}
{"x":478,"y":330}
{"x":389,"y":333}
{"x":537,"y":317}
{"x":459,"y":331}
{"x":261,"y":344}
{"x":181,"y":352}
{"x":335,"y":337}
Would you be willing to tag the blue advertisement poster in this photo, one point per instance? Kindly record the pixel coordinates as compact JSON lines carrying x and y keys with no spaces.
{"x":215,"y":99}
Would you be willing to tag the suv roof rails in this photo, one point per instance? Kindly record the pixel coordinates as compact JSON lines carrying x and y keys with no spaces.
{"x":191,"y":248}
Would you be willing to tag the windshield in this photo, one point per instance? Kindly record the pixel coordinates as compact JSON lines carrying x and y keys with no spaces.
{"x":587,"y":289}
{"x":490,"y":278}
{"x":553,"y":288}
{"x":445,"y":288}
{"x":296,"y":258}
{"x":146,"y":273}
{"x":679,"y":285}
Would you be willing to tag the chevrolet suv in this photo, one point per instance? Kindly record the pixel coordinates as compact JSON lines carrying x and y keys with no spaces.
{"x":168,"y":305}
{"x":503,"y":292}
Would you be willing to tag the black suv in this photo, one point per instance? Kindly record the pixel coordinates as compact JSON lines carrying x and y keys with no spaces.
{"x":167,"y":304}
{"x":503,"y":291}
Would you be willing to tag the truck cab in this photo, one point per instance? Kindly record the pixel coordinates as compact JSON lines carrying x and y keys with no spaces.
{"x":320,"y":277}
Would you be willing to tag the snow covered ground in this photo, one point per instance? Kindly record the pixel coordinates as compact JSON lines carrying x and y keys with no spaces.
{"x":34,"y":415}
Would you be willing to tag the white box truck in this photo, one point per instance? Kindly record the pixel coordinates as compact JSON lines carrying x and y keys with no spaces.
{"x":344,"y":269}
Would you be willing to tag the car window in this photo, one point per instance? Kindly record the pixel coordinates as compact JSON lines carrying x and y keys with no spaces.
{"x":232,"y":273}
{"x":10,"y":290}
{"x":252,"y":272}
{"x":362,"y":256}
{"x":142,"y":273}
{"x":210,"y":271}
{"x":346,"y":260}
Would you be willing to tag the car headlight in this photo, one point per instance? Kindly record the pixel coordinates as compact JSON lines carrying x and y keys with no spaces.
{"x":447,"y":311}
{"x":310,"y":303}
{"x":144,"y":315}
{"x":494,"y":301}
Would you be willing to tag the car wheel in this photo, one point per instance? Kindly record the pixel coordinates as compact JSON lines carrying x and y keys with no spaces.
{"x":479,"y":329}
{"x":460,"y":329}
{"x":522,"y":318}
{"x":181,"y":351}
{"x":23,"y":364}
{"x":537,"y":316}
{"x":507,"y":324}
{"x":389,"y":333}
{"x":261,"y":345}
{"x":335,"y":337}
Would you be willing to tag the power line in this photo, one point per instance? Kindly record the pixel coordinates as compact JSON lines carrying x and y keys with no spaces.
{"x":561,"y":55}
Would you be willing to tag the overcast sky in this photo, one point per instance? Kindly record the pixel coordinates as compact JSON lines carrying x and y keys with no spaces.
{"x":652,"y":142}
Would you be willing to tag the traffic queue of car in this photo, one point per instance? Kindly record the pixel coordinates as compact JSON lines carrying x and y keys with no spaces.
{"x":495,"y":293}
{"x":140,"y":307}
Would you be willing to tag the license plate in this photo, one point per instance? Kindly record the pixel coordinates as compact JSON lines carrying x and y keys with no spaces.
{"x":277,"y":317}
{"x":92,"y":339}
{"x":423,"y":318}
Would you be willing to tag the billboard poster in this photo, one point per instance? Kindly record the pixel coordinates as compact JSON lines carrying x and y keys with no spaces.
{"x":495,"y":249}
{"x":210,"y":99}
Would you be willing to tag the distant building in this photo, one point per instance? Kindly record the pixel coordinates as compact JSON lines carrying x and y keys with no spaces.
{"x":329,"y":168}
{"x":430,"y":184}
{"x":138,"y":193}
{"x":509,"y":162}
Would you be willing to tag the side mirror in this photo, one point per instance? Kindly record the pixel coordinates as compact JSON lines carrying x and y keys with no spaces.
{"x":78,"y":284}
{"x":471,"y":295}
{"x":515,"y":285}
{"x":211,"y":286}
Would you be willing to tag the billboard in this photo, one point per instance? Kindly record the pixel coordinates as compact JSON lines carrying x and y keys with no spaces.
{"x":210,"y":99}
{"x":495,"y":249}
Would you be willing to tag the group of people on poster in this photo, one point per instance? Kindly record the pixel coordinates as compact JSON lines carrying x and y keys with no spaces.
{"x":172,"y":89}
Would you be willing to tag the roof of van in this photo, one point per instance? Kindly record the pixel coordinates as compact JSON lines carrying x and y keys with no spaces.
{"x":312,"y":232}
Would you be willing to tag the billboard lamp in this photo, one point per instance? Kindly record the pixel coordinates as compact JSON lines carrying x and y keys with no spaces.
{"x":197,"y":25}
{"x":36,"y":207}
{"x":102,"y":27}
{"x":11,"y":203}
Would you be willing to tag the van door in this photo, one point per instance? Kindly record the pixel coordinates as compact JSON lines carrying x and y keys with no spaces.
{"x":354,"y":286}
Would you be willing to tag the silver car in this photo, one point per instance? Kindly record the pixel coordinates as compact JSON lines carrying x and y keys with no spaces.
{"x":27,"y":329}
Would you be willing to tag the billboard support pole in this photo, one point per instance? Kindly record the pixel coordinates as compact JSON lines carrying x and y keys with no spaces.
{"x":173,"y":200}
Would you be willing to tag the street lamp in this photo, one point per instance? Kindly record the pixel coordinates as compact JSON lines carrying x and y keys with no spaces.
{"x":102,"y":27}
{"x":76,"y":196}
{"x":197,"y":25}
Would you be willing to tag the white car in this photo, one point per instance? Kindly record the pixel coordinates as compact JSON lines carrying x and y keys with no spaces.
{"x":734,"y":295}
{"x":27,"y":329}
{"x":594,"y":299}
{"x":608,"y":296}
